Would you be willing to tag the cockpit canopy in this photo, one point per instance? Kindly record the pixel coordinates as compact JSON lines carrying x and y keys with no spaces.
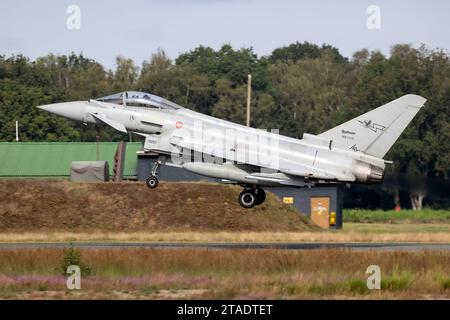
{"x":140,"y":99}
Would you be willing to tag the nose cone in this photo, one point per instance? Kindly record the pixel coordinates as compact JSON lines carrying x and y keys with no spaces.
{"x":71,"y":110}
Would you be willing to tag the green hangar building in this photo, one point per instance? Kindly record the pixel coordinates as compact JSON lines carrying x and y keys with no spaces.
{"x":53,"y":159}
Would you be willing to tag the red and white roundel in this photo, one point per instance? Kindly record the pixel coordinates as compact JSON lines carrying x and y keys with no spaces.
{"x":179,"y":124}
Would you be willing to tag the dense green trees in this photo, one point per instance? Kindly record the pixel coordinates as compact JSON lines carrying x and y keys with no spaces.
{"x":298,"y":88}
{"x":300,"y":51}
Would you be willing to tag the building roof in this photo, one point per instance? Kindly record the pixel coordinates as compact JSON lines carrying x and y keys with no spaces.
{"x":52,"y":159}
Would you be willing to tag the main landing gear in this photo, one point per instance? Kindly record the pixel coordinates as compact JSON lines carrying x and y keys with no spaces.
{"x":251,"y":196}
{"x":152,"y":180}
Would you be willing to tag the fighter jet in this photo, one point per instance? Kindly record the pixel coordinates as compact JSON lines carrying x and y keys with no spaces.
{"x":252,"y":158}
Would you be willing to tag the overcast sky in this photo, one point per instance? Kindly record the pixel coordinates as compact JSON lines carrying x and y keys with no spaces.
{"x":135,"y":29}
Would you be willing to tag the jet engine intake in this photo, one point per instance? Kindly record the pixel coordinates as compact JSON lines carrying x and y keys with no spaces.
{"x":367,"y":173}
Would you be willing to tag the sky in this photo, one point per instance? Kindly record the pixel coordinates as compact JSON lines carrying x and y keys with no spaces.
{"x":137,"y":28}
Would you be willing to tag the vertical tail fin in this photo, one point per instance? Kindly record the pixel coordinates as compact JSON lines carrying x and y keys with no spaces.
{"x":376,"y":131}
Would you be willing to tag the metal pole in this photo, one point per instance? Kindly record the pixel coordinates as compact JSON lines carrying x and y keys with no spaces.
{"x":17,"y":130}
{"x":249,"y":97}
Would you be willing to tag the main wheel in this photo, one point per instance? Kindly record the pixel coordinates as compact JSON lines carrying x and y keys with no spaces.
{"x":152,"y":182}
{"x":247,"y":199}
{"x":260,"y":196}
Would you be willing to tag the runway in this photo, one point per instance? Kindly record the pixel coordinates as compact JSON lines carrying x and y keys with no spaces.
{"x":278,"y":246}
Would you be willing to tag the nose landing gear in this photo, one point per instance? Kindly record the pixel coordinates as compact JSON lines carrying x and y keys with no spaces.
{"x":152,"y":181}
{"x":251,"y":196}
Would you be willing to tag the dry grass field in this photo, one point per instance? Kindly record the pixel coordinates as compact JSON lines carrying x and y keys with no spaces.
{"x":57,"y":210}
{"x":219,"y":274}
{"x":60,"y":205}
{"x":351,"y":233}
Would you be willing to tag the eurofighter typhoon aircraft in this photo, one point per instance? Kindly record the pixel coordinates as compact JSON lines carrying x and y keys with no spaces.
{"x":349,"y":153}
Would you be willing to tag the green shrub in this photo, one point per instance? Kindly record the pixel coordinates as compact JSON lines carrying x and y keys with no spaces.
{"x":357,"y":286}
{"x":446,"y":284}
{"x":72,"y":256}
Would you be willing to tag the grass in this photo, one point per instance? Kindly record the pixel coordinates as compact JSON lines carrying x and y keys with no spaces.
{"x":387,"y":228}
{"x":58,"y":210}
{"x":403,"y":216}
{"x":234,"y":274}
{"x":357,"y":286}
{"x":352,"y":232}
{"x":68,"y":212}
{"x":58,"y":205}
{"x":446,"y":284}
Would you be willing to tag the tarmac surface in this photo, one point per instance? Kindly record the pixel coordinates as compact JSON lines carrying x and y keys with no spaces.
{"x":279,"y":246}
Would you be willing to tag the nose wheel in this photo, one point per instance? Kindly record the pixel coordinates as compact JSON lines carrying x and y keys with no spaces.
{"x":152,"y":181}
{"x":251,"y":197}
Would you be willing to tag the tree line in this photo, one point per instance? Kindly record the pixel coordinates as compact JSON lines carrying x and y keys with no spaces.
{"x":302,"y":87}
